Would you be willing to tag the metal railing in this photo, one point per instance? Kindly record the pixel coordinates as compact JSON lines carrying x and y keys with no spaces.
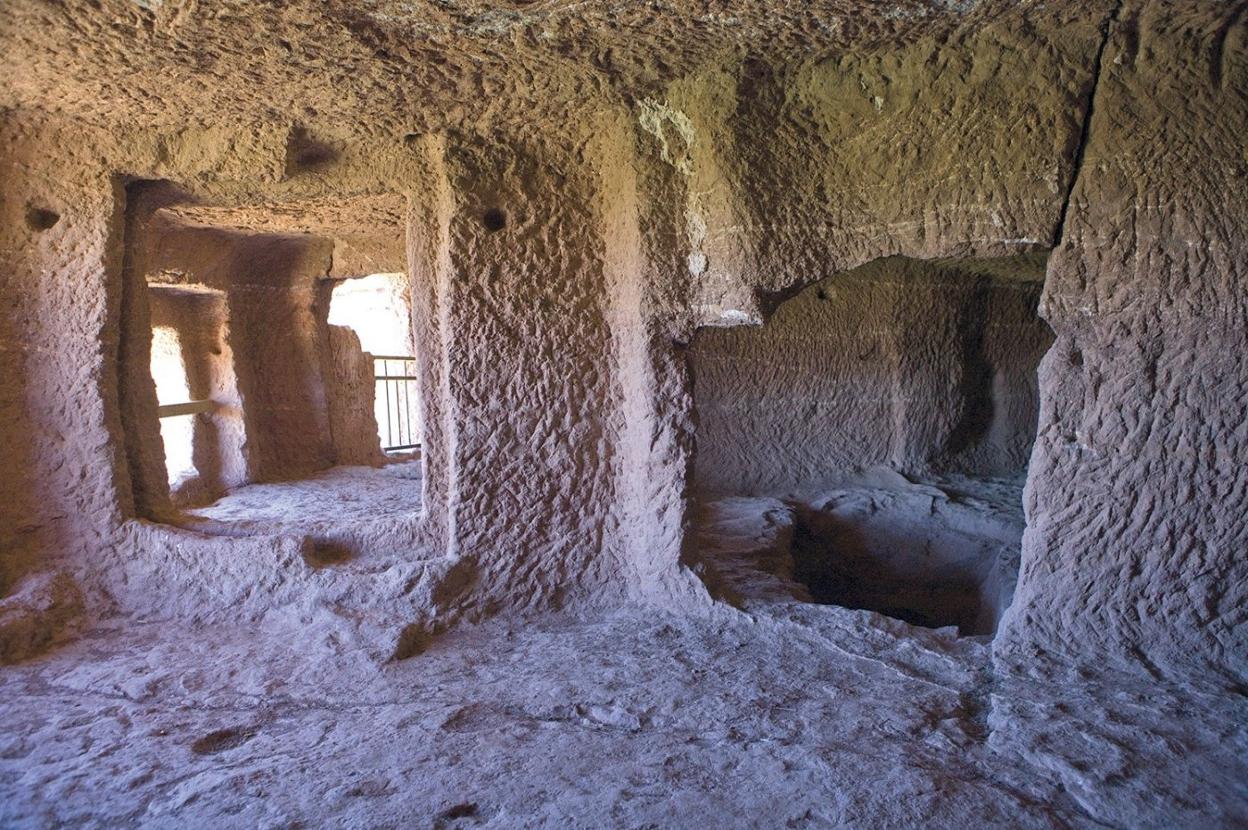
{"x":398,"y":419}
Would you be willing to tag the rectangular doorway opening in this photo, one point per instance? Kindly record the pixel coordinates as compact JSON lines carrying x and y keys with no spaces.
{"x":251,"y":403}
{"x":884,"y":417}
{"x":376,"y":308}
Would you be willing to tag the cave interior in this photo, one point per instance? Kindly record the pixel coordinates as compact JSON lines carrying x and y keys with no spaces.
{"x":562,"y":413}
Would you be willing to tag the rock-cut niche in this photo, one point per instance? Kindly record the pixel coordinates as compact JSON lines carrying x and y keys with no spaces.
{"x":267,"y":374}
{"x":891,"y":410}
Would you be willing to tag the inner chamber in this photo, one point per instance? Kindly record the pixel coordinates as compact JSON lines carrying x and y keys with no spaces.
{"x":268,"y":369}
{"x":891,"y":411}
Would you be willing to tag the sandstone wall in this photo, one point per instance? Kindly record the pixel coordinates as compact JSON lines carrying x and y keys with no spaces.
{"x":517,"y":367}
{"x":922,"y":367}
{"x":59,"y":251}
{"x":1136,"y":537}
{"x":641,"y":199}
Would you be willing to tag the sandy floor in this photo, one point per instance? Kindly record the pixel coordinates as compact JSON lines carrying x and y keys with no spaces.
{"x":344,"y":510}
{"x":781,"y":714}
{"x":798,"y":716}
{"x":336,"y":495}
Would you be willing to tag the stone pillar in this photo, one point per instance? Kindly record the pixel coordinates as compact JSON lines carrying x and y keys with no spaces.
{"x":63,"y":491}
{"x":350,"y":389}
{"x":644,"y":208}
{"x":276,"y":339}
{"x":529,"y":389}
{"x":1138,"y":490}
{"x":201,"y":319}
{"x":543,"y":375}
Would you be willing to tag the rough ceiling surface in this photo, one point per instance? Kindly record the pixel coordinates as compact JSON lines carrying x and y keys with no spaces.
{"x":828,"y":413}
{"x":401,"y":66}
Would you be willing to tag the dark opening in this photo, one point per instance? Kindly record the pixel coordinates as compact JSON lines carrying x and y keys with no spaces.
{"x":494,"y":220}
{"x":892,"y":409}
{"x":931,"y":556}
{"x":306,"y":152}
{"x":41,"y":219}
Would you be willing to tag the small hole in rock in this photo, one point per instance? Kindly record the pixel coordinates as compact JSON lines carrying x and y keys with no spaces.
{"x":41,"y":219}
{"x":494,"y":220}
{"x":305,"y":152}
{"x":414,"y":640}
{"x":1076,"y":358}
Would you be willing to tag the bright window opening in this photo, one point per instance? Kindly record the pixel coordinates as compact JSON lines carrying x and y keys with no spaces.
{"x":177,"y":432}
{"x":377,"y":309}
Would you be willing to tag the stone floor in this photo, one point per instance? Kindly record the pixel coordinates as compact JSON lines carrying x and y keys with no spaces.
{"x":791,"y":715}
{"x":343,"y":509}
{"x":335,"y":495}
{"x":777,"y":712}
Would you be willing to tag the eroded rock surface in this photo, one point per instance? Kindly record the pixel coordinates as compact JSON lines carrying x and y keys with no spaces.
{"x":920,"y":366}
{"x":941,"y":554}
{"x":802,"y":715}
{"x":578,"y":193}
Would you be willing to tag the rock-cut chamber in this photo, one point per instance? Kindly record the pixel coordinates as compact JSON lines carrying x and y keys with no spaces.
{"x":892,"y":410}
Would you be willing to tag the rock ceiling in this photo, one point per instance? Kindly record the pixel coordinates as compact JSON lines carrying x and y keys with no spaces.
{"x":399,"y":65}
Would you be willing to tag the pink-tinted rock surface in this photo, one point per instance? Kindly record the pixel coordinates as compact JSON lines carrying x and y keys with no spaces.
{"x":630,"y":231}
